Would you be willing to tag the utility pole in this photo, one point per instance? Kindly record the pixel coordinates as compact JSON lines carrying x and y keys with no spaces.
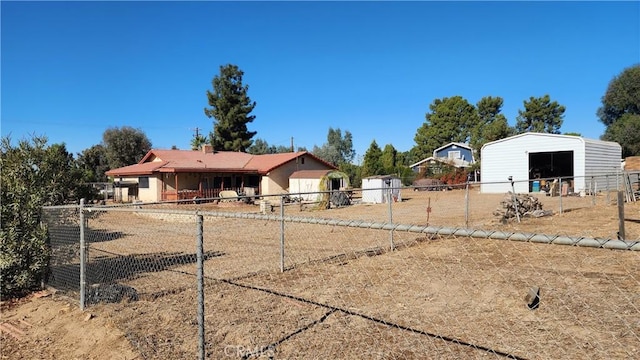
{"x":292,"y":150}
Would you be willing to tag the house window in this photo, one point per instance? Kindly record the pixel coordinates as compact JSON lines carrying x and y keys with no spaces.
{"x":454,"y":154}
{"x":143,"y":182}
{"x":302,"y":160}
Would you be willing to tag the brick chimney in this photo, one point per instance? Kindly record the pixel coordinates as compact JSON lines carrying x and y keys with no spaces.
{"x":207,"y":148}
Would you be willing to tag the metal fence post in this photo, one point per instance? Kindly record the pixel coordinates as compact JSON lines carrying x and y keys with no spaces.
{"x":560,"y":192}
{"x":466,"y":205}
{"x":514,"y":198}
{"x":200,"y":280}
{"x":606,"y":178}
{"x":281,"y":233}
{"x":389,"y":200}
{"x":594,"y":189}
{"x":83,"y":257}
{"x":621,"y":234}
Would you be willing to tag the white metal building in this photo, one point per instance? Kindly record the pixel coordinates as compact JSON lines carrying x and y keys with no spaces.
{"x":375,"y":189}
{"x":585,"y":163}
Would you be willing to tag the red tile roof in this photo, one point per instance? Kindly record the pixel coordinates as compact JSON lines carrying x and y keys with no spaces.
{"x":173,"y":161}
{"x":267,"y":162}
{"x":137,"y":169}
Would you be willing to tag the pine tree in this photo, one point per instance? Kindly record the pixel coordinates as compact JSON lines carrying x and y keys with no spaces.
{"x":372,"y":164}
{"x":231,"y":108}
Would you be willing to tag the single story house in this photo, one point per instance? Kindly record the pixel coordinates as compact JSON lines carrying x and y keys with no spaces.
{"x":375,"y":189}
{"x":527,"y":157}
{"x":307,"y":184}
{"x":455,"y":154}
{"x":166,"y":175}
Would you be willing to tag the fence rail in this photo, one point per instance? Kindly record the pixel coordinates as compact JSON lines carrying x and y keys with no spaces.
{"x":231,"y":280}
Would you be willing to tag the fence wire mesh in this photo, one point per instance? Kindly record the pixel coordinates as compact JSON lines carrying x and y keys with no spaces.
{"x":63,"y":224}
{"x":344,"y":293}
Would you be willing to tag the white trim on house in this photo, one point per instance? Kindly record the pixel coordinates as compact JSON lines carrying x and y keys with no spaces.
{"x":421,"y":162}
{"x":454,"y":144}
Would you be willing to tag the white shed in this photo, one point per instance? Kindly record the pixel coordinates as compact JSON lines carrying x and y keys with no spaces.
{"x":530,"y":156}
{"x":303,"y":182}
{"x":376,"y":188}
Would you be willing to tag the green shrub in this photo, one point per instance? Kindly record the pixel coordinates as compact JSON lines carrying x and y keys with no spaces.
{"x":33,"y":175}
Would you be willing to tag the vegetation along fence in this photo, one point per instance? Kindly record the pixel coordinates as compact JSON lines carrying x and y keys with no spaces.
{"x":429,"y":274}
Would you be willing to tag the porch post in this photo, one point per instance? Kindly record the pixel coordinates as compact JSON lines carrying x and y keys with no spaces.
{"x":175,"y":177}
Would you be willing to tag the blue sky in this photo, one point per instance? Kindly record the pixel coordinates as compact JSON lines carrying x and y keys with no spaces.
{"x":72,"y":69}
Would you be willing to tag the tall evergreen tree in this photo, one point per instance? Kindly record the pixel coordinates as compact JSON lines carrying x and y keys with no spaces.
{"x":540,"y":115}
{"x":231,"y":108}
{"x":388,"y":158}
{"x":450,"y":120}
{"x":492,"y":125}
{"x":372,"y":164}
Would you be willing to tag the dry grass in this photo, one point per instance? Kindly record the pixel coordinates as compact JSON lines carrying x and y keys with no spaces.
{"x":345,"y":296}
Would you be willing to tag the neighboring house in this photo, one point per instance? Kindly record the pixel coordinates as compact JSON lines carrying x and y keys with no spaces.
{"x":375,"y":189}
{"x":166,"y":175}
{"x":532,"y":157}
{"x":303,"y":182}
{"x":455,"y":154}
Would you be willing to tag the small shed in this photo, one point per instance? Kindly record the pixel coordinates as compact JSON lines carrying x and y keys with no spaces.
{"x":530,"y":156}
{"x":375,"y":189}
{"x":306,"y":184}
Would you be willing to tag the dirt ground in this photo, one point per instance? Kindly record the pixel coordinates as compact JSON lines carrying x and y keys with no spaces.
{"x":46,"y":326}
{"x":344,"y":294}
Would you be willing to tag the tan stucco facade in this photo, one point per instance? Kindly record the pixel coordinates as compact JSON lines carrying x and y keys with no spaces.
{"x":152,"y":193}
{"x":277,"y":180}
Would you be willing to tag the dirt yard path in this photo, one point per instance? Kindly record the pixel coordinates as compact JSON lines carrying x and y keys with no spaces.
{"x":45,"y":326}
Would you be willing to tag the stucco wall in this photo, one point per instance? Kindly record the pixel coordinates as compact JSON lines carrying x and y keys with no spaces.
{"x":305,"y":186}
{"x":277,"y":181}
{"x":152,"y":193}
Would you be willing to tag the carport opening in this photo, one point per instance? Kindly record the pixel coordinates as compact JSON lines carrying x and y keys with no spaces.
{"x":550,"y":165}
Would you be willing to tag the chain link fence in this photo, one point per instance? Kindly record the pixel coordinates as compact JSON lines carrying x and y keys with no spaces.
{"x":433,"y":275}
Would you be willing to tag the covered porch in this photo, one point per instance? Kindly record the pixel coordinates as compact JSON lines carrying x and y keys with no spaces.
{"x":187,"y":186}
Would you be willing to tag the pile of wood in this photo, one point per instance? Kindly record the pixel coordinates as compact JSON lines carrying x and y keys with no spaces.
{"x":632,"y":163}
{"x":525,"y":204}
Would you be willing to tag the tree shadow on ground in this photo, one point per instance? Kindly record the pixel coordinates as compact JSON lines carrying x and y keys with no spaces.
{"x":110,"y":269}
{"x":100,"y":235}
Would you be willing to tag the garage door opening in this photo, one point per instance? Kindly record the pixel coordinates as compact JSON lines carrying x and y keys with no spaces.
{"x":550,"y":165}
